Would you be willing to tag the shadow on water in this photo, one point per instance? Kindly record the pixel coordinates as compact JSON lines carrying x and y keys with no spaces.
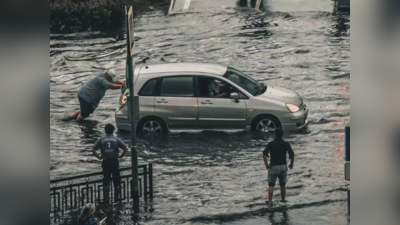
{"x":342,"y":26}
{"x":203,"y":148}
{"x":265,"y":211}
{"x":242,"y":3}
{"x":285,"y":219}
{"x":252,"y":4}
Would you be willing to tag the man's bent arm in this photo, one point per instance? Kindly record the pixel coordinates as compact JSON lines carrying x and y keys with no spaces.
{"x":120,"y":82}
{"x":96,"y":154}
{"x":124,"y":152}
{"x":115,"y":86}
{"x":266,"y":161}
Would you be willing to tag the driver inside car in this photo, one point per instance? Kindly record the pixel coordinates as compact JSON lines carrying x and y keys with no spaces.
{"x":216,"y":90}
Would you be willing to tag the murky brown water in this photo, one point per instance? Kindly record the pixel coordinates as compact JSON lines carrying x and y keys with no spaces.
{"x":218,"y":177}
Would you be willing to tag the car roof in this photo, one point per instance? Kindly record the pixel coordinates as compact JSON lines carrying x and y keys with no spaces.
{"x":184,"y":67}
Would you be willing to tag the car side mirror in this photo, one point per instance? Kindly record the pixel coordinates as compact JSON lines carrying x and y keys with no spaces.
{"x":235,"y":96}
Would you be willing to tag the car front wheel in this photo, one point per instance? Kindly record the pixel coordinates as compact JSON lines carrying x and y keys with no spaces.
{"x":265,"y":124}
{"x":151,"y":127}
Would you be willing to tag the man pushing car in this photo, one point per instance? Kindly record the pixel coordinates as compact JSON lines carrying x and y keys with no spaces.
{"x":92,"y":92}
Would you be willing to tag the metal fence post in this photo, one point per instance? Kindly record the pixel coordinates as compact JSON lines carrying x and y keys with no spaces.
{"x":145,"y":182}
{"x":348,"y":202}
{"x":151,"y":180}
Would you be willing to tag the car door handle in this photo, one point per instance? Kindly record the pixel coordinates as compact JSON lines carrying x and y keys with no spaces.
{"x":162,"y":101}
{"x":207,"y":102}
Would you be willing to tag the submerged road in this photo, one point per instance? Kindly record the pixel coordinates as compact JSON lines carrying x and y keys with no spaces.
{"x":179,"y":5}
{"x":266,"y":5}
{"x":219,"y":177}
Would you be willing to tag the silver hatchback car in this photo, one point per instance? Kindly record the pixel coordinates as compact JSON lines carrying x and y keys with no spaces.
{"x":196,"y":96}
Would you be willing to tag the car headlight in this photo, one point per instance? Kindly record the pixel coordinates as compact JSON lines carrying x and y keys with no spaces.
{"x":293,"y":108}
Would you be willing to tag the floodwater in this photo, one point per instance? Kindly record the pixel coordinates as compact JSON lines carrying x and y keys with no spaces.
{"x":219,"y":177}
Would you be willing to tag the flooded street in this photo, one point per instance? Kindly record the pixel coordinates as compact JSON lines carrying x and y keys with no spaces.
{"x":219,"y":177}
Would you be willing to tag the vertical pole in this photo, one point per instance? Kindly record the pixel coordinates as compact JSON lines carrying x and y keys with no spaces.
{"x":151,"y":180}
{"x":348,"y":202}
{"x":134,"y":160}
{"x":347,"y":147}
{"x":54,"y":205}
{"x":145,"y":193}
{"x":70,"y":191}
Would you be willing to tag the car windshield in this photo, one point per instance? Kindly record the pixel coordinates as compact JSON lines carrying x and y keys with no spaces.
{"x":244,"y":81}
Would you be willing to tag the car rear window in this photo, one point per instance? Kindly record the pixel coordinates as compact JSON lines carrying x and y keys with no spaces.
{"x":177,"y":87}
{"x":148,"y":88}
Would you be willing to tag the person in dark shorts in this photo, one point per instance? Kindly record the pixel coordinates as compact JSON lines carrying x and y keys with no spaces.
{"x":277,"y":150}
{"x":109,"y":146}
{"x":92,"y":92}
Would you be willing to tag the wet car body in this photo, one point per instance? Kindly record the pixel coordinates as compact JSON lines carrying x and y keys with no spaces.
{"x":170,"y":99}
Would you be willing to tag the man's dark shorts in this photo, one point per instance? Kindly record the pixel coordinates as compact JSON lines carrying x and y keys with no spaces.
{"x":86,"y":107}
{"x":111,"y":167}
{"x":277,"y":172}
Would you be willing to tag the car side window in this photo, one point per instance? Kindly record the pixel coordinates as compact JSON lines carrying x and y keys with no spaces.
{"x":233,"y":89}
{"x":148,"y":88}
{"x":219,"y":88}
{"x":242,"y":96}
{"x":181,"y":86}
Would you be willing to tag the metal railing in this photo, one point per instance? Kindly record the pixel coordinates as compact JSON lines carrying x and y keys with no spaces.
{"x":72,"y":193}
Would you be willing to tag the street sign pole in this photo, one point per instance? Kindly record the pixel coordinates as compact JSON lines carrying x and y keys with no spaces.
{"x":347,"y":165}
{"x":347,"y":143}
{"x":134,"y":158}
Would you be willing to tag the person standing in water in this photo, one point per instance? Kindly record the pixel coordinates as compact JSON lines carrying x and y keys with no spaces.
{"x":109,"y":146}
{"x":278,"y":150}
{"x":92,"y":92}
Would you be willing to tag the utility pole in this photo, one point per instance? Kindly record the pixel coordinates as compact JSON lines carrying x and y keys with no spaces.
{"x":347,"y":165}
{"x":134,"y":159}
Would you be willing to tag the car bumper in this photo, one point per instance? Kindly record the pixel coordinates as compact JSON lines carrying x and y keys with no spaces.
{"x":294,"y":121}
{"x":123,"y":124}
{"x":121,"y":120}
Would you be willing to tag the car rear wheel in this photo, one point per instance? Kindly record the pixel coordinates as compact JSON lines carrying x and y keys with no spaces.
{"x":265,"y":124}
{"x":152,"y":127}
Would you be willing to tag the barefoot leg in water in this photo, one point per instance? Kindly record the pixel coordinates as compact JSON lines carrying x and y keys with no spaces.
{"x":75,"y":115}
{"x":80,"y":118}
{"x":283,"y":193}
{"x":67,"y":115}
{"x":270,"y":194}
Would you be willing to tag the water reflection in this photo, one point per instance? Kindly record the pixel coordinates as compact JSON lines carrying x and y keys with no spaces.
{"x":341,"y":26}
{"x":253,"y":3}
{"x":242,"y":3}
{"x":284,"y":220}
